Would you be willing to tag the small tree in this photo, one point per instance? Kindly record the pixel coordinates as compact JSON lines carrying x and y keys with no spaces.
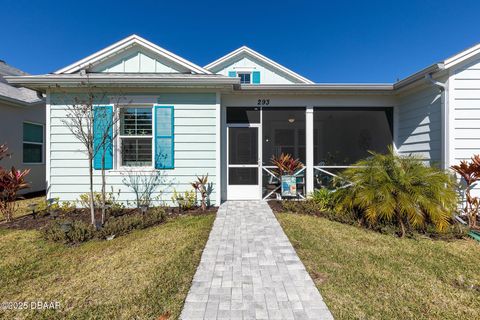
{"x":80,"y":122}
{"x":470,"y":172}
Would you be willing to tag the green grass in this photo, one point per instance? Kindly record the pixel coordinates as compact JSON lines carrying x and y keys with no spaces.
{"x":366,"y":275}
{"x":141,"y":275}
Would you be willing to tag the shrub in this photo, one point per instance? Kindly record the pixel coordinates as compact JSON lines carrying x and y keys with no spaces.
{"x":68,"y":231}
{"x":470,"y":172}
{"x":11,"y":182}
{"x":201,"y":185}
{"x":400,"y":190}
{"x":125,"y":224}
{"x":325,"y":198}
{"x":185,"y":201}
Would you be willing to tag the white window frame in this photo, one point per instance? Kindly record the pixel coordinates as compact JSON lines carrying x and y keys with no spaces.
{"x":245,"y":72}
{"x":118,"y":140}
{"x":37,"y":143}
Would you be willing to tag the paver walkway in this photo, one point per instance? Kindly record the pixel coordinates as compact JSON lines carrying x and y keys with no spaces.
{"x":249,"y":270}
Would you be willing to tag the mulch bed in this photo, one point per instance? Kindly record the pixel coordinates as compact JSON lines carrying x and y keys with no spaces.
{"x":276,"y":206}
{"x":40,"y":220}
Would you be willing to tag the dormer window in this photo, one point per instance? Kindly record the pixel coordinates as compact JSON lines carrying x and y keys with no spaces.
{"x":245,"y":77}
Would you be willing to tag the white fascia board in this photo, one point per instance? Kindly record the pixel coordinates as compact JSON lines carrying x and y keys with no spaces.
{"x":247,"y":50}
{"x":462,"y":56}
{"x":125,"y":43}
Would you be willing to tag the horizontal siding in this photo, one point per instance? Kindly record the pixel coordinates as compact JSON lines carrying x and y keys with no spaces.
{"x":466,"y":111}
{"x":419,"y":124}
{"x":195,"y":152}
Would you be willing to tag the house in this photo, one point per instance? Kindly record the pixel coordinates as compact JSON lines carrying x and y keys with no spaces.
{"x":22,"y":128}
{"x":229,"y":118}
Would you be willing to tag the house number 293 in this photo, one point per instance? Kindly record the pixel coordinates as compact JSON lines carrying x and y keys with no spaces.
{"x":263,"y":102}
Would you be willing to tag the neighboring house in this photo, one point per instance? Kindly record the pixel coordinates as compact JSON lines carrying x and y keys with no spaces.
{"x":229,"y":118}
{"x":22,"y":128}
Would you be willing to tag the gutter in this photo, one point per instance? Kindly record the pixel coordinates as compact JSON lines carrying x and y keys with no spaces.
{"x":75,"y":81}
{"x":419,"y":75}
{"x":318,"y":87}
{"x":17,"y":102}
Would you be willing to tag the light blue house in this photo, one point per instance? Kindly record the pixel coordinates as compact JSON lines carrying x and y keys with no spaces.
{"x":229,"y":118}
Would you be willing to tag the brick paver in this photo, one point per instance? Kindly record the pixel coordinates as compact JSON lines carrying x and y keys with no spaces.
{"x":249,"y":270}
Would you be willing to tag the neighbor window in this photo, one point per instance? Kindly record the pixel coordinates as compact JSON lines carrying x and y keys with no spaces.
{"x":245,"y":77}
{"x":136,"y":137}
{"x":32,"y":143}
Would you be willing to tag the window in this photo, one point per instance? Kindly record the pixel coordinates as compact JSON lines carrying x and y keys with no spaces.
{"x":136,"y":137}
{"x":32,"y":143}
{"x":245,"y":77}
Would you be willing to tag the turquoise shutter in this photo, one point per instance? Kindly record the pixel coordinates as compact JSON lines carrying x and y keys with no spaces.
{"x":232,"y":74}
{"x":102,"y":139}
{"x":164,"y":137}
{"x":256,"y":77}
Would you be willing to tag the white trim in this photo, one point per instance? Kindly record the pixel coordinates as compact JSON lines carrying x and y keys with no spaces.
{"x":462,"y":56}
{"x":47,"y":145}
{"x":127,"y":43}
{"x":310,"y":147}
{"x":119,"y":138}
{"x":218,"y":151}
{"x":262,"y":58}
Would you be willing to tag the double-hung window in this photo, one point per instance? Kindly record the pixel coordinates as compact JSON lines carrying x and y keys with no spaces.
{"x":32,"y":143}
{"x":136,"y":137}
{"x":245,"y":77}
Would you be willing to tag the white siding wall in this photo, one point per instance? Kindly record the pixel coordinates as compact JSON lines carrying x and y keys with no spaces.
{"x":137,"y":60}
{"x":246,"y":63}
{"x":195,"y":150}
{"x":419,"y":124}
{"x":465,"y":111}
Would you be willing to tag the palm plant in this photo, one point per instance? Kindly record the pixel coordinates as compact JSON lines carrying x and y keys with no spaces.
{"x":401,"y":190}
{"x":285,"y":164}
{"x":470,"y":172}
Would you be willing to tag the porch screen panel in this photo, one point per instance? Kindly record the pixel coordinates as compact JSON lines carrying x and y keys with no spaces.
{"x":343,"y":136}
{"x":283,"y":131}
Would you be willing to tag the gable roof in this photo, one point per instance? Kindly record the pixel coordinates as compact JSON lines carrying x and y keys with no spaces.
{"x":244,"y":50}
{"x":124,"y":44}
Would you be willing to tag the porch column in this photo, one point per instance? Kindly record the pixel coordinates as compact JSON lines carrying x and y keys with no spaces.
{"x":309,"y":174}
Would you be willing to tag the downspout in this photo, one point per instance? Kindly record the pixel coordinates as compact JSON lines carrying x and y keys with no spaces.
{"x":442,"y":87}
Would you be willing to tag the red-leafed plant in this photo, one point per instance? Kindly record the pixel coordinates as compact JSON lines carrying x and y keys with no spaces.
{"x":11,"y":182}
{"x":470,"y":172}
{"x":286,"y":164}
{"x":201,"y":186}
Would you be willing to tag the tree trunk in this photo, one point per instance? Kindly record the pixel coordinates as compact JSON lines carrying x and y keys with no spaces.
{"x":92,"y":205}
{"x":402,"y":225}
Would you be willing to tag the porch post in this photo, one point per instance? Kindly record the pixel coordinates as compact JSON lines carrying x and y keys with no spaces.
{"x":309,"y":174}
{"x":218,"y":143}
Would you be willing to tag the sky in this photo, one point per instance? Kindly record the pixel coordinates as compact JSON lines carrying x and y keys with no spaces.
{"x":325,"y":41}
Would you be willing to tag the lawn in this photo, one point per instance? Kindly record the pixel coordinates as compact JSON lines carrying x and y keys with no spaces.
{"x":366,"y":275}
{"x":141,"y":275}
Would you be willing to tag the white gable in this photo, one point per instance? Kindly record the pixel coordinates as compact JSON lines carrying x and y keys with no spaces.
{"x":137,"y":59}
{"x":134,"y":54}
{"x":248,"y":60}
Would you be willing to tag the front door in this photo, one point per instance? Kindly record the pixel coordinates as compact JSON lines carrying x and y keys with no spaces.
{"x":243,"y":163}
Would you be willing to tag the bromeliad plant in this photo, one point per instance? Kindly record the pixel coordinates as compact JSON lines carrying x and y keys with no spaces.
{"x":201,"y":186}
{"x":401,"y":190}
{"x":11,"y":182}
{"x":470,"y":172}
{"x":285,"y":164}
